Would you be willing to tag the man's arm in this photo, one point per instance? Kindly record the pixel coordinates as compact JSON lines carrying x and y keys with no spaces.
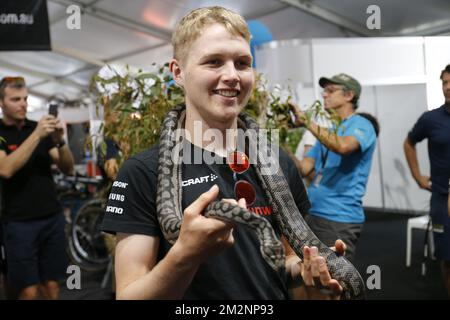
{"x":61,"y":156}
{"x":306,"y":166}
{"x":63,"y":159}
{"x":10,"y":164}
{"x":411,"y":157}
{"x":338,"y":144}
{"x":138,"y":276}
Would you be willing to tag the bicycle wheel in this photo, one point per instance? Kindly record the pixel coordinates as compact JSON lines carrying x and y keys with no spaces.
{"x":86,"y":242}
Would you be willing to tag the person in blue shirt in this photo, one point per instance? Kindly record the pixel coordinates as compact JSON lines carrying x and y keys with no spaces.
{"x":340,"y":163}
{"x":434,"y":125}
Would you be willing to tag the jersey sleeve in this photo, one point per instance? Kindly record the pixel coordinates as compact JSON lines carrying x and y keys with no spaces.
{"x":420,"y":130}
{"x":364,"y":132}
{"x":131,"y":206}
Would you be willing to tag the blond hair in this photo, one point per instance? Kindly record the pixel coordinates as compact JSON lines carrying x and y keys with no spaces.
{"x":190,"y":27}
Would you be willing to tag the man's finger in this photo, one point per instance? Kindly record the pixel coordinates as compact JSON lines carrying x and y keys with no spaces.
{"x":242,"y":203}
{"x":306,"y":255}
{"x":292,"y":106}
{"x":306,"y":266}
{"x":335,"y":287}
{"x":339,"y":247}
{"x":323,"y":271}
{"x":314,"y":252}
{"x":232,"y":201}
{"x":314,"y":265}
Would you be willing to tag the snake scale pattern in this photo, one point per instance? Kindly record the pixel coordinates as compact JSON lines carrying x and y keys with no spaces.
{"x":287,"y":215}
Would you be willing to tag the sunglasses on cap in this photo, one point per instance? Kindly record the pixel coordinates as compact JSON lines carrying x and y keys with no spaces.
{"x":239,"y":163}
{"x":8,"y":80}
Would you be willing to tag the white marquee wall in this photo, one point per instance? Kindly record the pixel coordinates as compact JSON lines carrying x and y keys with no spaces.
{"x":400,"y":79}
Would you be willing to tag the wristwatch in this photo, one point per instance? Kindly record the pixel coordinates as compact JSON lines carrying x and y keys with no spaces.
{"x":61,"y":144}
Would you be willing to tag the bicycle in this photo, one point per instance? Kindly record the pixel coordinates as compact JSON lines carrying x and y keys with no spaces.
{"x":86,"y":245}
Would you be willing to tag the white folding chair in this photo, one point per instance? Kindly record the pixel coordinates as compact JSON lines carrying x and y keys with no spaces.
{"x":421,"y":222}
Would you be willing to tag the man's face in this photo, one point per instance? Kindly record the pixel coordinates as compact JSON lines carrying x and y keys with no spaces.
{"x":14,"y":103}
{"x":334,"y":96}
{"x":217,"y":74}
{"x":446,"y":86}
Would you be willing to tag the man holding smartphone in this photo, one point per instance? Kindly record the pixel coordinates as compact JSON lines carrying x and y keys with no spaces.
{"x":32,"y":218}
{"x":53,"y":110}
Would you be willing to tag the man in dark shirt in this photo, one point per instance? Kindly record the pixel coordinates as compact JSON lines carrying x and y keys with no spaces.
{"x":211,"y":259}
{"x":32,"y":218}
{"x":435,"y":126}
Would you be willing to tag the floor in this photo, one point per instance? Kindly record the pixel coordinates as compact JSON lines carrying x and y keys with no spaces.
{"x":382,"y":244}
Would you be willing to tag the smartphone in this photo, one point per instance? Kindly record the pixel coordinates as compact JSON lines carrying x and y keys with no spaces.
{"x":53,"y":110}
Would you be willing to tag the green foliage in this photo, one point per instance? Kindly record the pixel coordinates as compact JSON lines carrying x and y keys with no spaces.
{"x":267,"y":107}
{"x":135,"y":105}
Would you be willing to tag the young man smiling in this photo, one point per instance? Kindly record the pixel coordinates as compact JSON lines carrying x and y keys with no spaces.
{"x":211,"y":259}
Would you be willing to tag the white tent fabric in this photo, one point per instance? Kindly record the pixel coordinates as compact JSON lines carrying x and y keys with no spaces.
{"x":137,"y":32}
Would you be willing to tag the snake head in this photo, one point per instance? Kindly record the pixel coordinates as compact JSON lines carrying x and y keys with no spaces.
{"x":273,"y":254}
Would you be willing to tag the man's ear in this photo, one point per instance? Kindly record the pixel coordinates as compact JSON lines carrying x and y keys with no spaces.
{"x":177,"y":73}
{"x":349,"y":95}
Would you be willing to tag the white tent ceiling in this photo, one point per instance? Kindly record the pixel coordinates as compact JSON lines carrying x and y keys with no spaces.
{"x":137,"y":32}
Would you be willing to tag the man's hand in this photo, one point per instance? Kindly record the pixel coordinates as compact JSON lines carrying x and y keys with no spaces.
{"x":201,"y":237}
{"x":424,"y":182}
{"x":318,"y":283}
{"x":46,"y":125}
{"x":58,"y":134}
{"x":317,"y":279}
{"x":300,"y":117}
{"x":111,"y":168}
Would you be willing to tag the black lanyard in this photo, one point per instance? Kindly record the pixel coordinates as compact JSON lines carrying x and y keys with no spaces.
{"x":324,"y":158}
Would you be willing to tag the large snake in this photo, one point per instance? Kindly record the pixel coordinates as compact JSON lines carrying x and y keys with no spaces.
{"x":288,"y":217}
